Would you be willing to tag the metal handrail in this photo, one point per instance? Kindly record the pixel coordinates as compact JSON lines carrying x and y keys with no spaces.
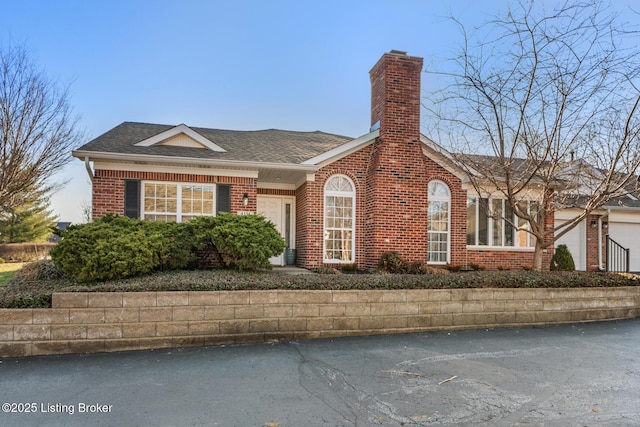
{"x":617,"y":256}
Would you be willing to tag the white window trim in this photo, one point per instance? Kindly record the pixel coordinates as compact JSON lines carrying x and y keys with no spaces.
{"x":179,"y":185}
{"x":477,"y":247}
{"x":441,"y":199}
{"x":353,"y":219}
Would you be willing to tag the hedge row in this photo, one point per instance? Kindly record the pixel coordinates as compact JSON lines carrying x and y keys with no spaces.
{"x":25,"y":252}
{"x":115,"y":247}
{"x":33,"y":286}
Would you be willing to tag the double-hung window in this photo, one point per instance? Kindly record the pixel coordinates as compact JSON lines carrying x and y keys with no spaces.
{"x":166,"y":201}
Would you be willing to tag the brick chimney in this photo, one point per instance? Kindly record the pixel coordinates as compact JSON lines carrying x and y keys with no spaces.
{"x":396,"y":194}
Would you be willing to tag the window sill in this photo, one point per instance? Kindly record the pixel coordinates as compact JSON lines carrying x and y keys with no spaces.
{"x":500,"y":248}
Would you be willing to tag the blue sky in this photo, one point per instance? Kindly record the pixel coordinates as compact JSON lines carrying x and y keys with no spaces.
{"x":245,"y":65}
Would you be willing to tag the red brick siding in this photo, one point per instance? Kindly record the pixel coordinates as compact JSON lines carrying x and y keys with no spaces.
{"x":592,"y":262}
{"x":310,"y":209}
{"x":497,"y":259}
{"x":396,"y":184}
{"x":302,"y":244}
{"x":458,"y":208}
{"x":108,"y":188}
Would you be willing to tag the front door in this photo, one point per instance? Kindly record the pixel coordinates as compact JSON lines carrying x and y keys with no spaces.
{"x":278,"y":210}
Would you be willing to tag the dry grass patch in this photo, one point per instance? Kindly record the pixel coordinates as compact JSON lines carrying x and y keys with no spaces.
{"x":8,"y":270}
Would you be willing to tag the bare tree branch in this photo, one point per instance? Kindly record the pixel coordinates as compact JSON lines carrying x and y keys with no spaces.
{"x":549,"y":103}
{"x":37,"y":128}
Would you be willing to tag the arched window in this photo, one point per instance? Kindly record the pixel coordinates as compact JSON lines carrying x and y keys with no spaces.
{"x":439,"y":198}
{"x":339,"y":220}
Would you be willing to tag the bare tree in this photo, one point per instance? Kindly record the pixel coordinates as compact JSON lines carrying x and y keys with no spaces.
{"x":550,"y":102}
{"x":37,"y":128}
{"x":87,"y":212}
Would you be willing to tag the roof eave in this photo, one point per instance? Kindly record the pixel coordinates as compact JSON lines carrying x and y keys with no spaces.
{"x":101,"y":155}
{"x":342,"y":150}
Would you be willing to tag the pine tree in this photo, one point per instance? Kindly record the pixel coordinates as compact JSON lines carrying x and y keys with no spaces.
{"x":30,"y":221}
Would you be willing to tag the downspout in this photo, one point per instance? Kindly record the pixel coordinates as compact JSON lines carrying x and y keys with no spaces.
{"x":88,"y":167}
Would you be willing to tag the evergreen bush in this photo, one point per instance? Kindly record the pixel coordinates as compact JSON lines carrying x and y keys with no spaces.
{"x":115,"y":247}
{"x":392,"y":262}
{"x":562,"y":260}
{"x":245,"y":242}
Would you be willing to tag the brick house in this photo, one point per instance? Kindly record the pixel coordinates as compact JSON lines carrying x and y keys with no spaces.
{"x":335,"y":199}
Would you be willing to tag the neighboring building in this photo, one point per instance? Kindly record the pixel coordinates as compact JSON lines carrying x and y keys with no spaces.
{"x":60,"y":226}
{"x":335,"y":199}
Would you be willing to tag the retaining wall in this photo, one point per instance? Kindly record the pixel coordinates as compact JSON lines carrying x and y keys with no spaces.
{"x":115,"y":321}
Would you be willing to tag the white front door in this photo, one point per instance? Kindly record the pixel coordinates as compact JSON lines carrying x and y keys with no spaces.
{"x":278,"y":210}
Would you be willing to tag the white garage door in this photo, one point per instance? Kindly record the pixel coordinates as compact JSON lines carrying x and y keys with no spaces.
{"x":627,"y":235}
{"x":576,"y":241}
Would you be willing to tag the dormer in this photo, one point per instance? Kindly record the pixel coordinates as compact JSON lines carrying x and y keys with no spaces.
{"x":180,"y":136}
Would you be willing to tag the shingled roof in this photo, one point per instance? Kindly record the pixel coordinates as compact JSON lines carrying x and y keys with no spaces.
{"x":271,"y":145}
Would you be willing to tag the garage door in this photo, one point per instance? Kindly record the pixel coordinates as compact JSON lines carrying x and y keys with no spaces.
{"x":576,"y":241}
{"x":627,"y":235}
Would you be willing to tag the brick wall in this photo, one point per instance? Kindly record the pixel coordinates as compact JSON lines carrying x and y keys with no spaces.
{"x":108,"y":188}
{"x":592,"y":263}
{"x":396,"y":188}
{"x":310,"y":209}
{"x":115,"y":321}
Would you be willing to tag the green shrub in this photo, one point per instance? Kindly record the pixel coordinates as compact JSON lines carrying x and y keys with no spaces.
{"x":454,"y":268}
{"x":172,"y":244}
{"x":325,"y":270}
{"x":391,"y":262}
{"x":115,"y":247}
{"x":1,"y":261}
{"x":476,"y":267}
{"x":562,"y":260}
{"x":349,"y":268}
{"x":245,"y":242}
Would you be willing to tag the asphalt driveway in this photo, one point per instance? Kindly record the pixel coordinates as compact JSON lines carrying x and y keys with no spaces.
{"x":571,"y":375}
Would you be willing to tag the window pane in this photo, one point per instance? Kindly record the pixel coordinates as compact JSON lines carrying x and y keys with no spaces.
{"x":438,"y":222}
{"x":497,"y":212}
{"x":338,"y":220}
{"x":160,"y":198}
{"x":438,"y":189}
{"x":509,"y":231}
{"x":471,"y":221}
{"x":483,"y":221}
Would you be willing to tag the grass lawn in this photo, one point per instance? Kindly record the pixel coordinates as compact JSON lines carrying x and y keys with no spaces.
{"x":7,"y":270}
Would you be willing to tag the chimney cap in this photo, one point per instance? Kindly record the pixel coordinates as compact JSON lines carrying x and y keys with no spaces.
{"x":398,"y":52}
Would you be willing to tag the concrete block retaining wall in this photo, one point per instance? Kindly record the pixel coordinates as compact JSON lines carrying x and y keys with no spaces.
{"x":115,"y":321}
